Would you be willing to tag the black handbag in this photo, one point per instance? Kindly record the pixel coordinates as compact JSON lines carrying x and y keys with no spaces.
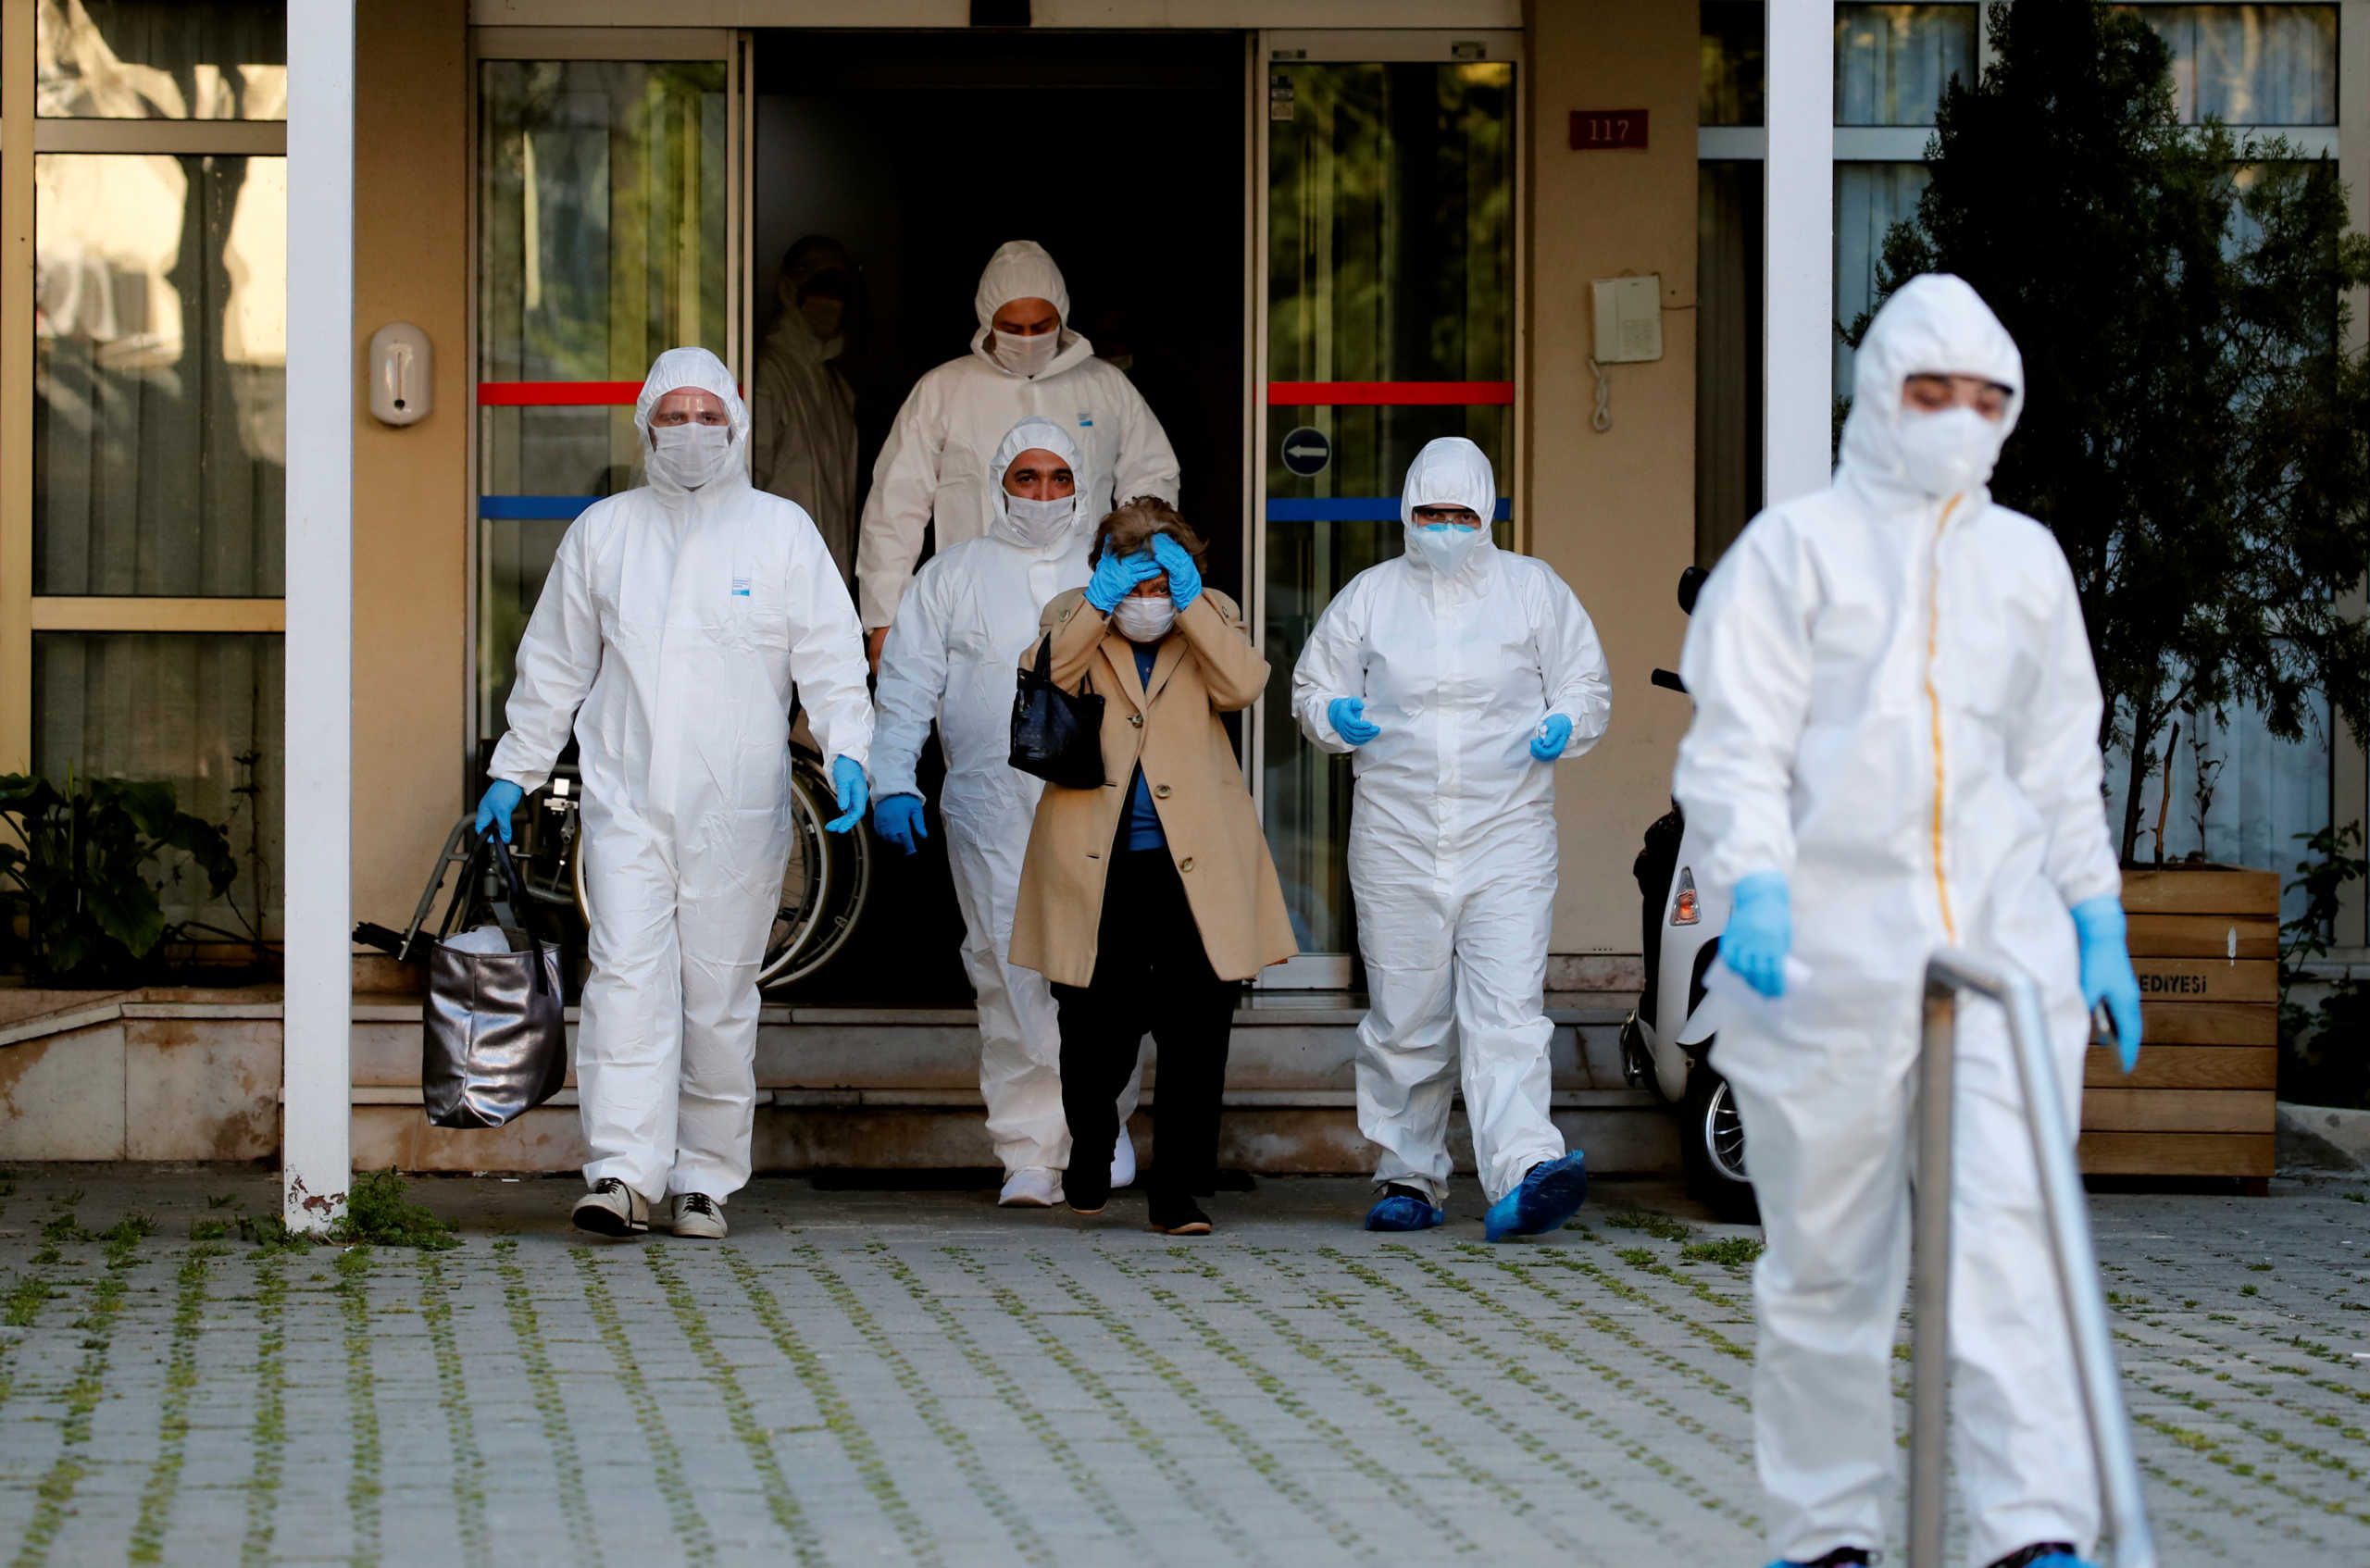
{"x":494,"y":1040}
{"x":1056,"y":734}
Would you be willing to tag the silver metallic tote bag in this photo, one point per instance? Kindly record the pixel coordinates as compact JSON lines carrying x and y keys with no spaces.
{"x":495,"y":1041}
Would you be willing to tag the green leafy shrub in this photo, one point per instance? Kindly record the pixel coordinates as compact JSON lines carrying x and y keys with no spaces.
{"x":82,"y":886}
{"x":1733,"y":1251}
{"x":2324,"y":1049}
{"x":378,"y":1213}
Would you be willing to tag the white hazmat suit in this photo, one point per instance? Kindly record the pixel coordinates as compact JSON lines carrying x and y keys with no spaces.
{"x":936,"y":464}
{"x":1452,"y":833}
{"x":959,"y":634}
{"x":671,"y":631}
{"x":1895,"y":710}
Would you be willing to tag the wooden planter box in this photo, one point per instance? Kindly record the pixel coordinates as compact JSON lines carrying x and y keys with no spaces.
{"x":2203,"y":1103}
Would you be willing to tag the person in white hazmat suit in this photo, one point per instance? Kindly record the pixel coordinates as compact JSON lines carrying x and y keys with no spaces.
{"x":802,"y":441}
{"x":934,"y":468}
{"x":677,"y":620}
{"x":1456,"y":676}
{"x":1896,"y":749}
{"x":959,"y":633}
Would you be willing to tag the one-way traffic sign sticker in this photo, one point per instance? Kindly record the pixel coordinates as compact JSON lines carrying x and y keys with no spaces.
{"x":1307,"y":451}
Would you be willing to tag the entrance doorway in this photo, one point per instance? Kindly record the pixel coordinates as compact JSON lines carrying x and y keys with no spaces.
{"x":1120,"y":153}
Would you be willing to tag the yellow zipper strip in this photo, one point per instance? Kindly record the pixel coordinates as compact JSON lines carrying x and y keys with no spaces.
{"x":1934,"y":702}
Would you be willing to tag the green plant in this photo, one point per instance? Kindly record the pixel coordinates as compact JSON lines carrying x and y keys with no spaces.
{"x":378,"y":1212}
{"x":2194,"y":427}
{"x":1662,"y":1228}
{"x":82,"y":886}
{"x":1733,"y":1251}
{"x":271,"y":1236}
{"x":209,"y":1230}
{"x":2325,"y":1049}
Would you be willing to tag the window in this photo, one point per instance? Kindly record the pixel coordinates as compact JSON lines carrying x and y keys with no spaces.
{"x":152,"y":502}
{"x":1891,"y":62}
{"x":2250,"y":65}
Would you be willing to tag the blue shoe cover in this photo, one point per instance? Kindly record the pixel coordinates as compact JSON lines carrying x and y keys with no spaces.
{"x":1400,"y":1211}
{"x":2058,"y":1559}
{"x":1549,"y":1196}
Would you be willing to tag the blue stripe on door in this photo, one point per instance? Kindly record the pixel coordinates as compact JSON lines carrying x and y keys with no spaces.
{"x":1354,"y":509}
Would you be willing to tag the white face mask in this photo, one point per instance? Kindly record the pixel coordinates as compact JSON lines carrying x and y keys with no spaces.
{"x":1041,"y":524}
{"x":689,"y":455}
{"x":1445,"y":549}
{"x":1949,"y":453}
{"x":1145,"y":617}
{"x":1027,"y":355}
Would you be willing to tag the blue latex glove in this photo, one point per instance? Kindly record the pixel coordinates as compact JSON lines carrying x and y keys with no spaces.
{"x":1553,"y":737}
{"x":847,"y":778}
{"x":501,"y":797}
{"x":1348,"y":716}
{"x":1115,"y":577}
{"x":1759,"y":933}
{"x":898,"y":818}
{"x":1184,"y":577}
{"x":2107,"y":974}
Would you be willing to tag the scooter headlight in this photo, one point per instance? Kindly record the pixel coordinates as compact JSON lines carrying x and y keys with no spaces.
{"x":1686,"y":909}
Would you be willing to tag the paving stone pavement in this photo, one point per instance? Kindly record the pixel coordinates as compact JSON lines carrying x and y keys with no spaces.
{"x":873,"y":1377}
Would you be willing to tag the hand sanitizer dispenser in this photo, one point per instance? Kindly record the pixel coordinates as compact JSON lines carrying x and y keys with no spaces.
{"x":403,"y":374}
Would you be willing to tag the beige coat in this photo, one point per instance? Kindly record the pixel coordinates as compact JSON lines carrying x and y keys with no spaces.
{"x":1205,"y":667}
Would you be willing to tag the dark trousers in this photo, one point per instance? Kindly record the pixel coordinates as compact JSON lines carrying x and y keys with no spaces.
{"x":1151,"y":975}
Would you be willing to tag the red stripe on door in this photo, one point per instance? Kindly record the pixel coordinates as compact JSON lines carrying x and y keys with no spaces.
{"x":1298,"y":394}
{"x":558,"y":394}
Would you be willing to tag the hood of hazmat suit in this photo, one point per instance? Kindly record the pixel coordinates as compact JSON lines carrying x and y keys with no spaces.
{"x":803,"y":447}
{"x":937,"y":470}
{"x":1455,"y":818}
{"x":1895,"y":710}
{"x":958,"y":636}
{"x":672,"y":629}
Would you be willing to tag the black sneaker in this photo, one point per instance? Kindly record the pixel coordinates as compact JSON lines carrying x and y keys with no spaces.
{"x":1087,"y":1182}
{"x":1179,"y":1215}
{"x":1841,"y":1557}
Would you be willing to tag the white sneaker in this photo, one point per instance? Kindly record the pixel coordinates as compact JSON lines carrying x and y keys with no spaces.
{"x":1123,"y":1161}
{"x":696,"y":1214}
{"x":1032,"y":1187}
{"x":612,"y":1209}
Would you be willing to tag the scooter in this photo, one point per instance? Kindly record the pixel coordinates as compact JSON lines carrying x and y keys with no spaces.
{"x":1666,"y":1044}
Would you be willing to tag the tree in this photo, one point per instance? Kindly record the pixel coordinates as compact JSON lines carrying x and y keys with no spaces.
{"x":2193,"y":431}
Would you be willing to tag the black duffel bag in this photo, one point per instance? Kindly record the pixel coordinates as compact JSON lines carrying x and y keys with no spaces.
{"x":494,"y":1044}
{"x":1056,"y":734}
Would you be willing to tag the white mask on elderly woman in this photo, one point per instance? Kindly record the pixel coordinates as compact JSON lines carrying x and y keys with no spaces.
{"x":1145,"y":617}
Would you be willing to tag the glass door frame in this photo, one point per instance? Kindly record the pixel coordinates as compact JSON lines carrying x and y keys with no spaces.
{"x":732,"y":45}
{"x":1332,"y":971}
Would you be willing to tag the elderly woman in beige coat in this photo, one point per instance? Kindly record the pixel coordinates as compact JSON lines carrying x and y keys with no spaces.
{"x":1147,"y":902}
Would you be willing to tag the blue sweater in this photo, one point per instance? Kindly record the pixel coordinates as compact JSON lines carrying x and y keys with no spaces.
{"x":1143,"y":822}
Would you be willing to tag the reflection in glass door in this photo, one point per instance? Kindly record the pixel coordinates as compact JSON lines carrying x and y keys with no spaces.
{"x":1391,"y":245}
{"x":607,"y":217}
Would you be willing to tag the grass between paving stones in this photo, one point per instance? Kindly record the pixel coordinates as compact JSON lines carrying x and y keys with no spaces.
{"x":534,"y":1356}
{"x":269,"y":1436}
{"x":1265,"y":1466}
{"x":363,"y":1490}
{"x":666,"y":1460}
{"x":1054,"y":1340}
{"x":2310,"y":1454}
{"x":1227,"y":1348}
{"x":460,"y":1426}
{"x":147,"y":1543}
{"x":1567,"y":1258}
{"x":738,"y":1409}
{"x":97,"y":1326}
{"x":1391,"y":1340}
{"x":1344,"y":1374}
{"x":957,"y":1442}
{"x":839,"y":1417}
{"x":1645,"y":1455}
{"x":1079,"y":1471}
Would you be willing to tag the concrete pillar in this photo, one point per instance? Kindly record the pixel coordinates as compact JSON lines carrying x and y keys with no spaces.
{"x":1799,"y":276}
{"x":315,"y":1109}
